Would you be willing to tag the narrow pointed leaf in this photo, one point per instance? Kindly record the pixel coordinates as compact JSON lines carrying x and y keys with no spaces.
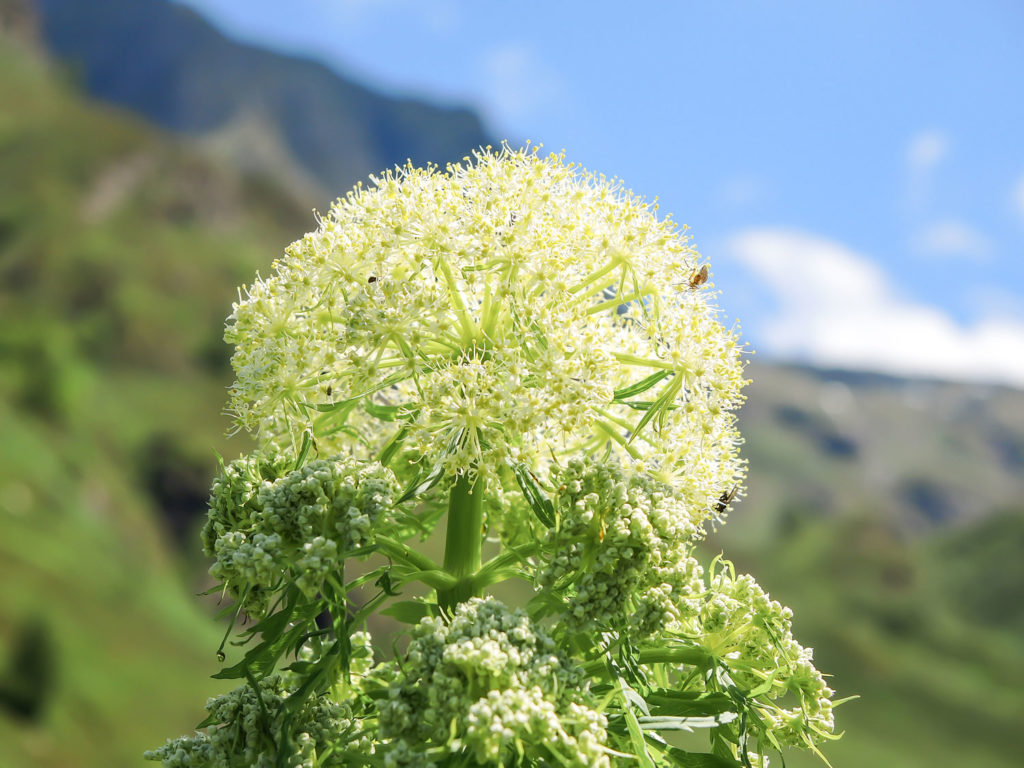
{"x":541,"y":505}
{"x":641,"y":386}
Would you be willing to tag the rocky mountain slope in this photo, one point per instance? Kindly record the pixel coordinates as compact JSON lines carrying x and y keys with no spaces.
{"x":314,"y":131}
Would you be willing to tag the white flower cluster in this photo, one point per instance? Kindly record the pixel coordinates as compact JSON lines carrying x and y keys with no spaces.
{"x":535,"y":340}
{"x":267,"y":526}
{"x":490,"y":683}
{"x":621,"y":549}
{"x":247,"y":726}
{"x":739,"y":622}
{"x":505,"y":309}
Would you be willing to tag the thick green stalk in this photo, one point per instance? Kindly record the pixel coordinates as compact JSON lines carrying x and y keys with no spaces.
{"x":464,"y":540}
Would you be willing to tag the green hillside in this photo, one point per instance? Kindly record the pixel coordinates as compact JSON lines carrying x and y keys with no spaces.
{"x":885,"y":512}
{"x":119,"y":252}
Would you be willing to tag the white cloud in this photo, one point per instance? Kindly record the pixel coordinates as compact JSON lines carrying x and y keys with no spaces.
{"x":924,"y":153}
{"x":836,"y":307}
{"x":1017,"y":197}
{"x":518,"y":83}
{"x":926,"y":150}
{"x":953,"y":238}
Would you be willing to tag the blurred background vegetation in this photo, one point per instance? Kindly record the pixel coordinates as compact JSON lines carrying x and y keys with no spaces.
{"x":136,"y":195}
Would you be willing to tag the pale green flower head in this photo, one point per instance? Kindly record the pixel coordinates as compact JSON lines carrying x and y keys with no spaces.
{"x":507,"y":310}
{"x":491,"y":683}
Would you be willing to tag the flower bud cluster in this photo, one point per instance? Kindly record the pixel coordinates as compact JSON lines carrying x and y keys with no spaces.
{"x":248,"y":725}
{"x":493,"y":684}
{"x":267,"y":527}
{"x":491,"y":314}
{"x":620,"y":548}
{"x":741,"y":623}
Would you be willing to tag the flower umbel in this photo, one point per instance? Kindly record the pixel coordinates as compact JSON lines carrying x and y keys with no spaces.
{"x":502,"y":311}
{"x":267,"y":524}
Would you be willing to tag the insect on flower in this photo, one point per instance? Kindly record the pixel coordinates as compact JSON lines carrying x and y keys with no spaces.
{"x":698,"y":278}
{"x":725,"y":500}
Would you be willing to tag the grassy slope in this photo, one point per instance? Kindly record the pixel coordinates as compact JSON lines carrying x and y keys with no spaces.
{"x":131,"y":650}
{"x":119,"y":253}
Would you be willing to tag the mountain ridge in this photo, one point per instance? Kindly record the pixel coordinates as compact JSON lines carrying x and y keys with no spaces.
{"x":311,"y":124}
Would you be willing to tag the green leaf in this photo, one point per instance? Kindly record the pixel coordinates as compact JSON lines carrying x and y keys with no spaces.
{"x":636,"y":737}
{"x":307,"y":442}
{"x":685,"y":759}
{"x":385,"y":412}
{"x":641,"y":386}
{"x":410,"y":611}
{"x":349,"y":401}
{"x":209,"y":720}
{"x":260,"y":661}
{"x":541,"y":505}
{"x":660,"y":405}
{"x":277,"y":637}
{"x":544,"y":603}
{"x":646,"y":405}
{"x":763,"y":688}
{"x":322,"y":674}
{"x":384,"y":582}
{"x":636,"y":732}
{"x":271,"y":627}
{"x":422,"y":484}
{"x":670,"y":723}
{"x":389,"y":450}
{"x":689,"y":703}
{"x":300,"y":667}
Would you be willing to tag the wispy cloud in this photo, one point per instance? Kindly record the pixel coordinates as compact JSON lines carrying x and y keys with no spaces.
{"x":837,"y":307}
{"x":739,"y":191}
{"x":952,"y":238}
{"x":1017,"y":197}
{"x":925,"y":152}
{"x":518,"y":83}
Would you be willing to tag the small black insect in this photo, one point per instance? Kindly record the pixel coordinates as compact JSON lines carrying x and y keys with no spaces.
{"x":725,"y":500}
{"x":329,"y":390}
{"x":372,"y":279}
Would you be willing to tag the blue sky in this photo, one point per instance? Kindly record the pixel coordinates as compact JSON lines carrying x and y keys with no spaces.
{"x":854,"y":172}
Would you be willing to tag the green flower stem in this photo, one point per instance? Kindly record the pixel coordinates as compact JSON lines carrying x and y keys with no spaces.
{"x":464,"y":540}
{"x":698,"y":657}
{"x":396,"y":550}
{"x":644,"y":362}
{"x":419,"y":566}
{"x":595,"y":276}
{"x":604,"y":306}
{"x":469,"y":330}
